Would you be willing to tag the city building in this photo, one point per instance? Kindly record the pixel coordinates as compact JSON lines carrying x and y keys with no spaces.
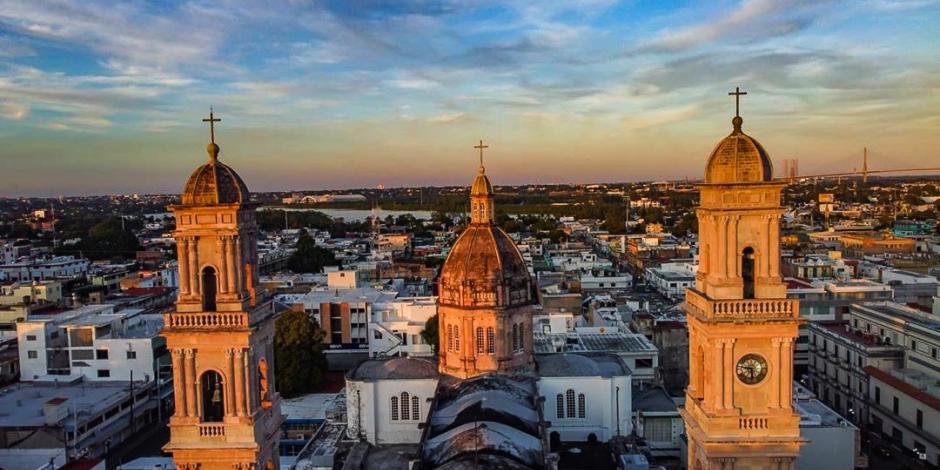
{"x":395,"y":327}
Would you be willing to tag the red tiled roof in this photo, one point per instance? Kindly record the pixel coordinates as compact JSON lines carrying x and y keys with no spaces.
{"x":81,"y":464}
{"x":56,"y":401}
{"x":142,"y":291}
{"x":905,"y":387}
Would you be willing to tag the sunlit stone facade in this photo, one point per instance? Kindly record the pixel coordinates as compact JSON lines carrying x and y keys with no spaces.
{"x":742,"y":328}
{"x":221,"y":335}
{"x":485,"y":297}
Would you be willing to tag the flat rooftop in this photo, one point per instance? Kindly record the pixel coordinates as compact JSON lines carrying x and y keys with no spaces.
{"x":814,"y":413}
{"x":352,"y":296}
{"x":615,"y":342}
{"x":21,"y":405}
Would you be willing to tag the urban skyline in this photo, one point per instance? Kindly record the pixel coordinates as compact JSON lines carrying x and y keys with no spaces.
{"x":330,"y":96}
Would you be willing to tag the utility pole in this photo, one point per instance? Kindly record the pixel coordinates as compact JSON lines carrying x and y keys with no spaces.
{"x":865,"y":166}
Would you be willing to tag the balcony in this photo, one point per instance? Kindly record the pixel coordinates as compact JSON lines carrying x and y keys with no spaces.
{"x":747,"y":309}
{"x":212,"y":431}
{"x":206,"y":320}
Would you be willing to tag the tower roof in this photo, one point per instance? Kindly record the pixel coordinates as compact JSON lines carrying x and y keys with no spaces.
{"x":484,"y":267}
{"x":738,"y":158}
{"x":214,"y":183}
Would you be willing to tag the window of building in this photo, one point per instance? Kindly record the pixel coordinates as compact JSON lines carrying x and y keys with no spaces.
{"x":920,"y":419}
{"x":877,"y":394}
{"x":101,"y":354}
{"x":933,"y":353}
{"x":480,"y":346}
{"x":104,"y":373}
{"x":657,"y":429}
{"x":32,"y":354}
{"x":490,"y":340}
{"x":515,"y":337}
{"x":394,"y":408}
{"x":913,"y":345}
{"x":30,"y":337}
{"x":415,"y":408}
{"x":456,"y":338}
{"x":450,"y":337}
{"x":521,"y":336}
{"x":896,"y":405}
{"x":405,"y":406}
{"x":559,"y":406}
{"x":581,"y":412}
{"x":569,"y":403}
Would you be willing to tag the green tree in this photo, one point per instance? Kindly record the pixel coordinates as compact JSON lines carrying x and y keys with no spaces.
{"x":430,"y":333}
{"x":309,"y":258}
{"x":300,"y":365}
{"x":110,"y":239}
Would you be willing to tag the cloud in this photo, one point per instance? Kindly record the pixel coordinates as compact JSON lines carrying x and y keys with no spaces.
{"x":13,"y":111}
{"x":752,"y":20}
{"x":446,"y":118}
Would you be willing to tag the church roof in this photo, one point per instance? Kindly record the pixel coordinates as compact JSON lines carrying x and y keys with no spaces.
{"x":581,"y":365}
{"x":398,"y":368}
{"x":481,"y":185}
{"x":214,"y":183}
{"x":483,"y":437}
{"x":483,"y":260}
{"x":738,"y":158}
{"x":486,"y":405}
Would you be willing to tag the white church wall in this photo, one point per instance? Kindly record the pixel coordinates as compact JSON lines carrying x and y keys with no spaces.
{"x":370,"y":413}
{"x":602,"y":406}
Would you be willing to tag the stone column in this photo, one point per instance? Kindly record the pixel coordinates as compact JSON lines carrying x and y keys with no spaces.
{"x":733,"y":257}
{"x":182,"y":259}
{"x":231,"y":266}
{"x":775,"y":372}
{"x":192,"y":250}
{"x":191,"y":389}
{"x":239,"y":265}
{"x":786,"y":373}
{"x":229,"y":382}
{"x":240,"y":382}
{"x":722,"y":242}
{"x":728,"y":373}
{"x":179,"y":382}
{"x":717,"y":383}
{"x":221,"y":244}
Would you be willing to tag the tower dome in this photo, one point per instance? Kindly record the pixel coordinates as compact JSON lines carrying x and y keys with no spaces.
{"x":214,"y":183}
{"x":738,"y":158}
{"x":484,"y":267}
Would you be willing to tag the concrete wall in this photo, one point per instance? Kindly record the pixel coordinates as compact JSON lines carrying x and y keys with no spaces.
{"x":830,"y":448}
{"x":600,"y":406}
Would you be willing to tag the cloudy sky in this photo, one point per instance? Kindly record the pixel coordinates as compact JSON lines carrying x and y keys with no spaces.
{"x":101,"y":97}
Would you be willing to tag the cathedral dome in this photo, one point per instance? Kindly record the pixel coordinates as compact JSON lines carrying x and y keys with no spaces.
{"x":214,"y":183}
{"x":484,"y":268}
{"x":481,"y":185}
{"x":738,"y":158}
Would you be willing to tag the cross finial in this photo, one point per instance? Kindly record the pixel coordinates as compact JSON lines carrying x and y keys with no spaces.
{"x":212,"y":120}
{"x":481,"y":146}
{"x":737,"y":100}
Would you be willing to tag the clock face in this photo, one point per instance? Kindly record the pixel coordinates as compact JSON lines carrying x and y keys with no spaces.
{"x":751,"y":369}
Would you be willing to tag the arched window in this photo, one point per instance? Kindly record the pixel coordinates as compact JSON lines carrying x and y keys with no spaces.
{"x":581,"y":412}
{"x":213,"y":400}
{"x":515,"y":337}
{"x":394,"y":408}
{"x":450,"y":337}
{"x":559,"y":406}
{"x":415,"y":408}
{"x":208,"y":289}
{"x":521,"y":336}
{"x":569,"y":403}
{"x":480,"y":346}
{"x":405,"y":402}
{"x":747,"y":272}
{"x":490,"y":340}
{"x":263,"y":383}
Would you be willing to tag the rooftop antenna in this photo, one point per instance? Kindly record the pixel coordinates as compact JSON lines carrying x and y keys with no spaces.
{"x":865,"y":165}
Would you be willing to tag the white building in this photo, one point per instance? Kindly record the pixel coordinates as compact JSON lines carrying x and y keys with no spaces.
{"x":59,"y":267}
{"x":395,"y":327}
{"x":621,"y":281}
{"x":585,"y":394}
{"x":672,"y":279}
{"x":94,"y":342}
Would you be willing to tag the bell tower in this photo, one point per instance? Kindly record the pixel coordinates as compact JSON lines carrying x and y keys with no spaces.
{"x":221,"y":336}
{"x":738,"y":410}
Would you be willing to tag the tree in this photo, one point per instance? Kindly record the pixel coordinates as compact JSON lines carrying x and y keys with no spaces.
{"x":300,"y":365}
{"x":309,"y":258}
{"x":430,"y":333}
{"x":109,"y":239}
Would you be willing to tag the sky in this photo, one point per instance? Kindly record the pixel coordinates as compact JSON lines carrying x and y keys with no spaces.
{"x":103,"y":97}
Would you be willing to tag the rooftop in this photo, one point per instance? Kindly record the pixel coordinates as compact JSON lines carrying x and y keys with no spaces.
{"x":580,"y":341}
{"x":814,"y":413}
{"x":913,"y":383}
{"x":581,"y":365}
{"x":21,"y":405}
{"x":398,"y":368}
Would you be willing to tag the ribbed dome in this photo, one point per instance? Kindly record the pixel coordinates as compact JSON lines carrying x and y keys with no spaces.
{"x":484,"y":268}
{"x":481,"y":185}
{"x":214,"y":183}
{"x":738,"y":158}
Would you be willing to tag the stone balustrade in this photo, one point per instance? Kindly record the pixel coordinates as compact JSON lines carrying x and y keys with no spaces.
{"x":743,"y":309}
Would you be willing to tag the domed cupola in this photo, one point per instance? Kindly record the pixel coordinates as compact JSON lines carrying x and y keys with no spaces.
{"x":484,"y":267}
{"x":738,"y":158}
{"x":214,"y":182}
